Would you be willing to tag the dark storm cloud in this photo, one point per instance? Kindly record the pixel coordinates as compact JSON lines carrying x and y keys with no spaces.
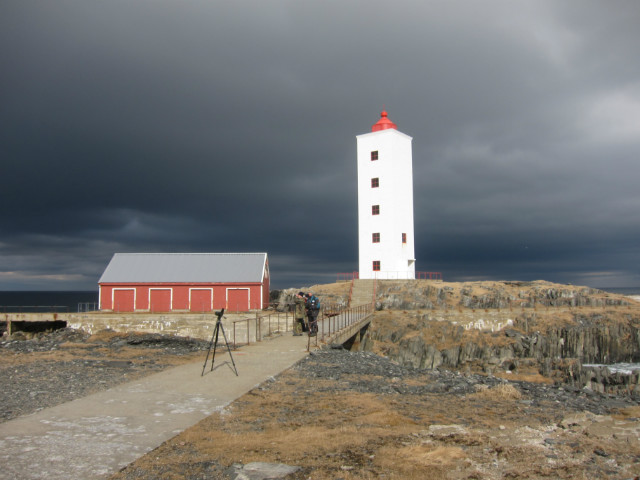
{"x":215,"y":126}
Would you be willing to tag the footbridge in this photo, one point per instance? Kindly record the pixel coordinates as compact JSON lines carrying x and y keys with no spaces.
{"x":346,"y":327}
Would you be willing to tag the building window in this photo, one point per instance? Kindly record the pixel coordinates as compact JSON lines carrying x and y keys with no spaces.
{"x":375,"y":210}
{"x":375,"y":182}
{"x":374,"y":155}
{"x":376,"y":265}
{"x":375,"y":237}
{"x":404,"y":238}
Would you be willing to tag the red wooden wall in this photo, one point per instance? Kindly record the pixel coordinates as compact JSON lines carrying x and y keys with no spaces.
{"x":183,"y":297}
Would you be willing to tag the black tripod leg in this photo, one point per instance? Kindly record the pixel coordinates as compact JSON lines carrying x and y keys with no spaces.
{"x":229,"y":349}
{"x":208,"y":352}
{"x":215,"y":344}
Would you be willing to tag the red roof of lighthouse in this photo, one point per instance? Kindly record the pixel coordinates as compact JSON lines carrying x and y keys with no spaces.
{"x":383,"y":123}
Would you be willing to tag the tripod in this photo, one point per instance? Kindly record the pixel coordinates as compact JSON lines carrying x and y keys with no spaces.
{"x":214,"y":342}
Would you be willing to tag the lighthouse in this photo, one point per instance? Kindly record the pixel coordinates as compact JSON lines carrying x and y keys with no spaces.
{"x":385,"y":202}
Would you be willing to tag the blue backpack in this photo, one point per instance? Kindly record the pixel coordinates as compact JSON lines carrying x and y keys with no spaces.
{"x":314,"y":302}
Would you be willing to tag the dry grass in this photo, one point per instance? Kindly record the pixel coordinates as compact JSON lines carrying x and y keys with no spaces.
{"x":411,"y":461}
{"x":104,"y":336}
{"x":532,"y":377}
{"x":499,"y":392}
{"x":276,"y":427}
{"x":629,"y":412}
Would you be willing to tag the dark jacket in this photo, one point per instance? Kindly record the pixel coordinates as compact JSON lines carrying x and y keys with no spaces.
{"x":300,"y":306}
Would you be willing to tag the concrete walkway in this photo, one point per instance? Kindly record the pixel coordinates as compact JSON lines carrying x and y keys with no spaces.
{"x":95,"y":436}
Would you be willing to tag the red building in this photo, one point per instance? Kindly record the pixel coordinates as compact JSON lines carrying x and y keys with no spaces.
{"x":185,"y":282}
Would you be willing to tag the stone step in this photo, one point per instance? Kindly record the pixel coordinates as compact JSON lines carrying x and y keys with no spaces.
{"x":362,"y":292}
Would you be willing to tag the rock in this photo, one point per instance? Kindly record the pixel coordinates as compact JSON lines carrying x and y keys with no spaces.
{"x":578,"y":420}
{"x":261,"y":471}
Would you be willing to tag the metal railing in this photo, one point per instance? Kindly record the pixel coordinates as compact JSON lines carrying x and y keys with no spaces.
{"x":88,"y":307}
{"x":429,"y":276}
{"x":332,"y":323}
{"x":389,"y":275}
{"x":260,"y":326}
{"x":347,"y":277}
{"x":404,"y":275}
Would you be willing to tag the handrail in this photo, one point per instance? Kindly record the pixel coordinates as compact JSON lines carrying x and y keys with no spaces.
{"x":343,"y":319}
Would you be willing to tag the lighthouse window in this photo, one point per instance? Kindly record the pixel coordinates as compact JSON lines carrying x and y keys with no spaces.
{"x":374,"y":155}
{"x":404,"y":238}
{"x":375,"y":237}
{"x":376,"y":265}
{"x":375,"y":182}
{"x":375,"y":210}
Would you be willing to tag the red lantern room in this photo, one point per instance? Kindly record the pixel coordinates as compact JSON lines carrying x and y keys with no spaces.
{"x":384,"y":123}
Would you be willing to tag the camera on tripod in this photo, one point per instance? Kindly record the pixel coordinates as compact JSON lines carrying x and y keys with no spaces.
{"x":214,"y":343}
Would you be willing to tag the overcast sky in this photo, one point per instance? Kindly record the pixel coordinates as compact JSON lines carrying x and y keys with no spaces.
{"x":229,"y":126}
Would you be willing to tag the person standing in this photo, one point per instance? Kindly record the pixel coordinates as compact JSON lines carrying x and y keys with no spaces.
{"x":313,"y":308}
{"x":298,"y":324}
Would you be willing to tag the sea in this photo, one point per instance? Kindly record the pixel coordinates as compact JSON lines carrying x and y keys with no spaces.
{"x":630,"y":291}
{"x":48,"y":301}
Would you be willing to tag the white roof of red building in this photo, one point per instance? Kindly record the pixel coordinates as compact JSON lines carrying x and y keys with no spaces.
{"x":185,"y":268}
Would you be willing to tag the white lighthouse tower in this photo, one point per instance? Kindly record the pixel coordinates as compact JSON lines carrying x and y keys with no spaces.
{"x":385,"y":202}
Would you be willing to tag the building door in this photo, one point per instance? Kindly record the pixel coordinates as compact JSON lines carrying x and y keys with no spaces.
{"x":201,"y":300}
{"x":238,"y":299}
{"x":159,"y":300}
{"x":123,"y":300}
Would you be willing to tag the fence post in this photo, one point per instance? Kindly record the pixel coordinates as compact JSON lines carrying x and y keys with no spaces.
{"x":234,"y":335}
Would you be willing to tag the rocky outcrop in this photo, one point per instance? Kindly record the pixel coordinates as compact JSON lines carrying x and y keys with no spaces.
{"x":496,"y":326}
{"x":594,"y":339}
{"x":550,"y":351}
{"x":412,"y":295}
{"x":599,"y":378}
{"x":590,"y":342}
